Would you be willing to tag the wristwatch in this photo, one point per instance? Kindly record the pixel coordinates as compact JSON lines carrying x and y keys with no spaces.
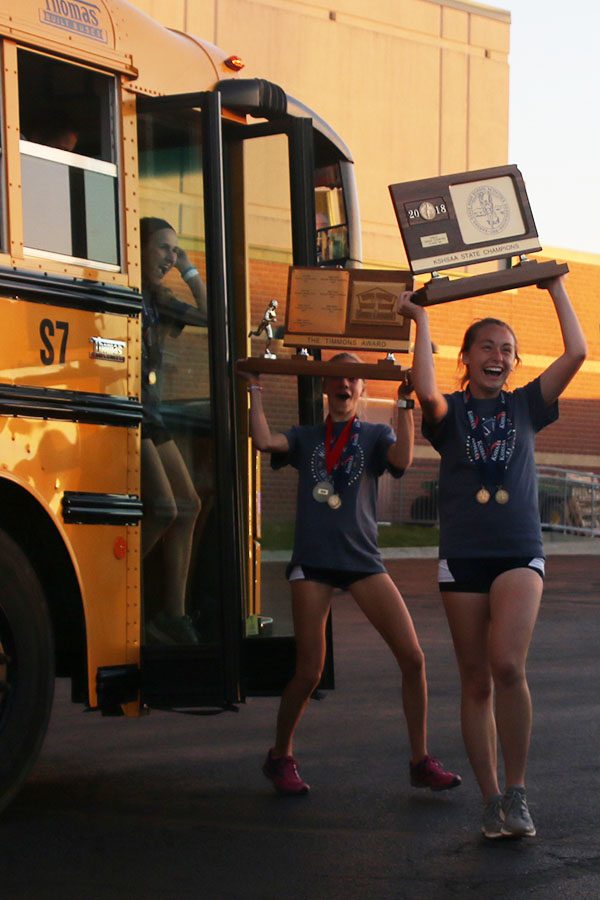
{"x":405,"y":403}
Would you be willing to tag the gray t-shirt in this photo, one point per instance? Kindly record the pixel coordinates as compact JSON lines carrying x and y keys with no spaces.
{"x":344,"y":539}
{"x":469,"y":529}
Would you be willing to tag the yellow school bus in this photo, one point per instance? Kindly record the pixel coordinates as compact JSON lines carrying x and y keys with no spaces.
{"x":109,"y":120}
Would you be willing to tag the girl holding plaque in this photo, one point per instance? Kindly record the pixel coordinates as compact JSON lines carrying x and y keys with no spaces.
{"x":491,"y":565}
{"x":335,"y":546}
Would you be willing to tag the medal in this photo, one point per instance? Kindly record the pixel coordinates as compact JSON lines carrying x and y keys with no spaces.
{"x":501,"y":496}
{"x":339,"y":455}
{"x":322,"y":491}
{"x":483,"y":495}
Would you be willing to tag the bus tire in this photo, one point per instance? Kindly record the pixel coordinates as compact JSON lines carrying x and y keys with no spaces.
{"x":26,"y":667}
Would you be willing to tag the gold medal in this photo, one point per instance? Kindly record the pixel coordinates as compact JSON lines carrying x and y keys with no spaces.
{"x":334,"y":501}
{"x":483,"y":495}
{"x":501,"y":496}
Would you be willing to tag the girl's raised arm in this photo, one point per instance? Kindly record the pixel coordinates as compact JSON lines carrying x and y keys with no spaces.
{"x":433,"y":403}
{"x":400,"y":454}
{"x":260,"y":432}
{"x":557,"y":376}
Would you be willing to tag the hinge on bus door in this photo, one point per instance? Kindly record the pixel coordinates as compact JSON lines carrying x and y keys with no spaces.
{"x":116,"y":685}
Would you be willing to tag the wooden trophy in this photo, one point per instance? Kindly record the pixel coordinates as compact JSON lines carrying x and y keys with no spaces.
{"x":338,"y":309}
{"x":465,"y":219}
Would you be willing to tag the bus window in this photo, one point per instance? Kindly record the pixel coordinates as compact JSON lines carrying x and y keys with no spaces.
{"x":68,"y":156}
{"x":332,"y":230}
{"x":180,"y":593}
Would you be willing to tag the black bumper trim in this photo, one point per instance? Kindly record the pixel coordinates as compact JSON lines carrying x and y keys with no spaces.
{"x":81,"y":508}
{"x":74,"y":406}
{"x":73,"y":293}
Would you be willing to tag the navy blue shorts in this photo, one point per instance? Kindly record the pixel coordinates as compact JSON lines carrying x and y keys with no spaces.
{"x":476,"y":576}
{"x":333,"y":577}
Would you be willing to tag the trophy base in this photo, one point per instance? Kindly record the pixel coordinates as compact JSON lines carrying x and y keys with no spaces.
{"x":443,"y":290}
{"x":297,"y":366}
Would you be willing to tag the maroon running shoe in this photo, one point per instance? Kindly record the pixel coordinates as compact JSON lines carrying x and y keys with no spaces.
{"x":429,"y":773}
{"x":283,"y":772}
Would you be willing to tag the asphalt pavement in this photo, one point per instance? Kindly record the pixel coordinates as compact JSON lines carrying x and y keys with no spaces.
{"x":175,"y":806}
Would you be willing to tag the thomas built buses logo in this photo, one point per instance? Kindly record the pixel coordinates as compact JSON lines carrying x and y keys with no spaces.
{"x":77,"y":16}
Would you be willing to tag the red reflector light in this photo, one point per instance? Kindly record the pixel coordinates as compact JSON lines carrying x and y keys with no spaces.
{"x":235,"y":63}
{"x":120,"y":548}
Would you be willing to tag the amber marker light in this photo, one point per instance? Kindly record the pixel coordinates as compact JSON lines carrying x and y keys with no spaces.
{"x":234,"y":62}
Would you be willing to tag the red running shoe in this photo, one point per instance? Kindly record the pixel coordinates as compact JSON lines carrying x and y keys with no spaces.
{"x":429,"y":773}
{"x":283,"y":772}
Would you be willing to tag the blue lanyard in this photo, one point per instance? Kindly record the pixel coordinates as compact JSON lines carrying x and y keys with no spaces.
{"x":488,"y":448}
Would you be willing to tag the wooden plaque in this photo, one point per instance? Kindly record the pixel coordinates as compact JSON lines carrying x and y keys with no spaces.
{"x":346,"y":309}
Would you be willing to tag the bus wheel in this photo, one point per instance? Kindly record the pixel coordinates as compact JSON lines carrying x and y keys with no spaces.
{"x":26,"y":667}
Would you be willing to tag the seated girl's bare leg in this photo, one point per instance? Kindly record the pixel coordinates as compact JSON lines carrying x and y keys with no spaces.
{"x":177,"y":539}
{"x":310,"y":606}
{"x":160,"y":509}
{"x":382,"y":603}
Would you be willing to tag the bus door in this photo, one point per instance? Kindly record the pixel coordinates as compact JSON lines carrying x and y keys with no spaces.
{"x":241,"y":201}
{"x":270,"y":182}
{"x":190,"y":531}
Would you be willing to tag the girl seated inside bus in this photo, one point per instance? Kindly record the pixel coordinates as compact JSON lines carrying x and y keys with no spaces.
{"x":339,"y":463}
{"x":171,"y":503}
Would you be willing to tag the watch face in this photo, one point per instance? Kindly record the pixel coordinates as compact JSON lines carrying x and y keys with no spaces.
{"x":427,"y":210}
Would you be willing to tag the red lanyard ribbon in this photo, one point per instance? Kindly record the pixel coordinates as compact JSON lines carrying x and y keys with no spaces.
{"x":334,"y":449}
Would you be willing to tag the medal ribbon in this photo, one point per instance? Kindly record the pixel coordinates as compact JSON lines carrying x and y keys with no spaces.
{"x":489,"y":451}
{"x":337,"y":468}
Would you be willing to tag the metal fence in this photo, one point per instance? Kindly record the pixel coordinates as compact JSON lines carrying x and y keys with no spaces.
{"x":569,"y":499}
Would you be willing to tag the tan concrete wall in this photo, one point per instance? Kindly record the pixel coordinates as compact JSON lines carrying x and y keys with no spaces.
{"x":415,"y":88}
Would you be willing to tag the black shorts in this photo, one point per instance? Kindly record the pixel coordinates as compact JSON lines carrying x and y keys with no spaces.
{"x":476,"y":576}
{"x":333,"y":577}
{"x":156,"y":433}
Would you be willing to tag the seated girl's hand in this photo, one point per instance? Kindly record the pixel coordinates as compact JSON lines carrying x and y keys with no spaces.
{"x":182,"y":262}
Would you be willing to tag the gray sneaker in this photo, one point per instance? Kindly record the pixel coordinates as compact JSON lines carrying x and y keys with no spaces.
{"x":166,"y":629}
{"x":493,"y":817}
{"x":517,"y":819}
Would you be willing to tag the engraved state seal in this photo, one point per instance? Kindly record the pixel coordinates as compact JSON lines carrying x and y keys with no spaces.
{"x":488,"y":209}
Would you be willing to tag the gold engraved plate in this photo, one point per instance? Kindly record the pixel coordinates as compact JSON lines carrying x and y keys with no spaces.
{"x":322,"y":491}
{"x":501,"y":496}
{"x":483,"y":495}
{"x":334,"y":501}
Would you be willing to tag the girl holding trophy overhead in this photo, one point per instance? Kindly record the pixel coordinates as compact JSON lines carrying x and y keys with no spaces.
{"x":339,"y":462}
{"x":491,"y":565}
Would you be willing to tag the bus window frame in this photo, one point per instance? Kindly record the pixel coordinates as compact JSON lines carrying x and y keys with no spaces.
{"x":15,"y":244}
